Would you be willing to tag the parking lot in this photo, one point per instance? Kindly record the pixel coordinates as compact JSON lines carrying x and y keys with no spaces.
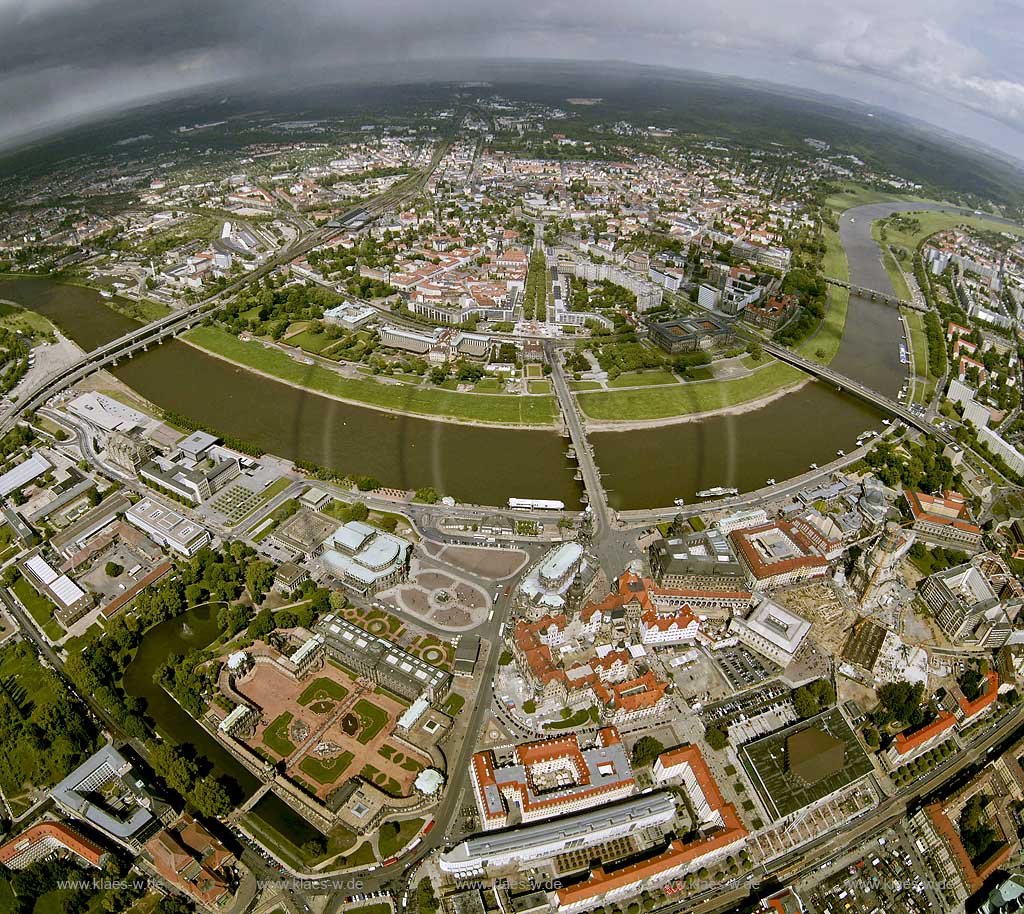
{"x":743,"y":707}
{"x":743,"y":668}
{"x":885,"y":874}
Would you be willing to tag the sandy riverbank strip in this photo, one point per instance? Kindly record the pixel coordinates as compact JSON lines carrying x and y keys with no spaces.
{"x":629,"y":425}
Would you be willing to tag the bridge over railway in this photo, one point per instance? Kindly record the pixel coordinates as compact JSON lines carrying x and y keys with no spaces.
{"x":875,"y":295}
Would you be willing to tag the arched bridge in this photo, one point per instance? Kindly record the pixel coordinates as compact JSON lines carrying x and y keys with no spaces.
{"x":875,"y":295}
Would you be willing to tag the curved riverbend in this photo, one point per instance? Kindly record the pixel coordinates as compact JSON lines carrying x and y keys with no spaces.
{"x":641,"y":468}
{"x":476,"y":464}
{"x":781,"y":439}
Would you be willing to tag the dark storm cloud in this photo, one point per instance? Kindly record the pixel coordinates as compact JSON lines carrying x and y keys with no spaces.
{"x":65,"y":60}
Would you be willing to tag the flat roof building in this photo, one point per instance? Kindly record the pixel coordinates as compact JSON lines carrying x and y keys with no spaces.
{"x":701,"y":560}
{"x":365,"y":559}
{"x":305,"y":532}
{"x":104,"y":792}
{"x":543,"y":840}
{"x":382,"y":660}
{"x":24,"y":473}
{"x":167,"y":527}
{"x":772,"y":630}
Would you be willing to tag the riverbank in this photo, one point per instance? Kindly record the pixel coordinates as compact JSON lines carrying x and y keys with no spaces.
{"x":738,"y":409}
{"x":498,"y":410}
{"x":622,"y":410}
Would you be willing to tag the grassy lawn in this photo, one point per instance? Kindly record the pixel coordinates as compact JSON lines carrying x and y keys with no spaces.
{"x":683,"y":399}
{"x":533,"y":370}
{"x":361,"y":856}
{"x":379,"y":908}
{"x":309,"y":341}
{"x":393,"y":836}
{"x":374,"y":719}
{"x":326,"y":771}
{"x":488,"y":386}
{"x":322,"y":688}
{"x":39,"y":608}
{"x":584,"y":385}
{"x":14,"y":317}
{"x":276,"y":735}
{"x":453,"y":704}
{"x":497,"y":408}
{"x":574,"y":720}
{"x":932,"y":222}
{"x":380,"y":779}
{"x":539,"y":387}
{"x":644,"y":378}
{"x":833,"y":262}
{"x":899,"y":282}
{"x":824,"y":343}
{"x":924,"y":384}
{"x":855,"y":195}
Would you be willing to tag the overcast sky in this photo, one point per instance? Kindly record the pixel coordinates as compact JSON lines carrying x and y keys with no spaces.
{"x":955,"y":64}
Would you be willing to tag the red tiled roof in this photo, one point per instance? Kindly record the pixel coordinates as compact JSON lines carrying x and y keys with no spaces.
{"x":950,"y":509}
{"x":974,"y":877}
{"x":124,"y":599}
{"x":762,"y":568}
{"x":58,"y":831}
{"x":970,"y":708}
{"x":905,"y":744}
{"x":636,"y":694}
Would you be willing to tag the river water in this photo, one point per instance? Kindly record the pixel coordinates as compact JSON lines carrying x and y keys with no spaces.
{"x":645,"y":468}
{"x":784,"y":437}
{"x":482,"y":465}
{"x":475,"y":464}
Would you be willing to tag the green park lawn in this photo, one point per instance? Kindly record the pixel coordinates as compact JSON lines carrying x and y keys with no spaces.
{"x":925,"y":384}
{"x":850,"y":195}
{"x":494,"y":408}
{"x":932,"y":221}
{"x":384,"y":781}
{"x":573,"y":720}
{"x":322,"y":688}
{"x":326,"y":771}
{"x":453,"y":704}
{"x":276,"y":735}
{"x":896,"y":277}
{"x":644,"y":379}
{"x":666,"y":401}
{"x":373,"y":719}
{"x":393,"y":836}
{"x":39,"y":608}
{"x":310,"y":341}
